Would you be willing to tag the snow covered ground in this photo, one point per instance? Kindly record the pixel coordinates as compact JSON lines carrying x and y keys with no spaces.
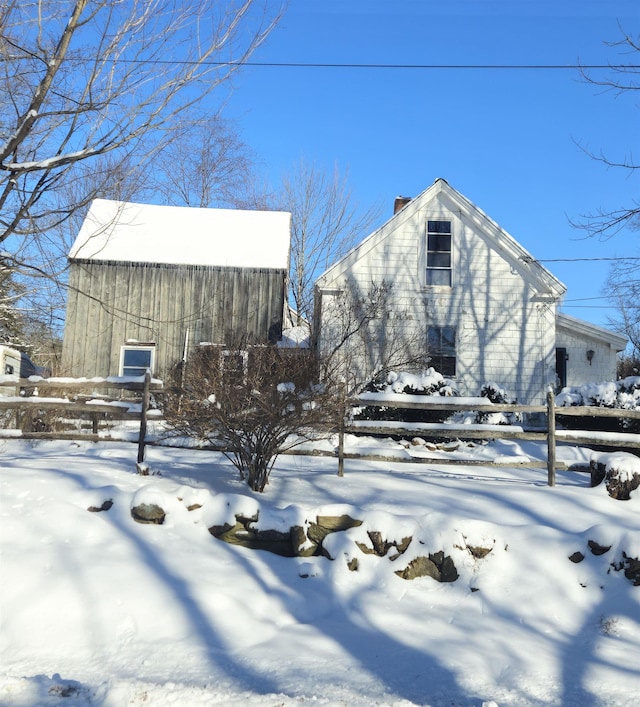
{"x":97,"y":609}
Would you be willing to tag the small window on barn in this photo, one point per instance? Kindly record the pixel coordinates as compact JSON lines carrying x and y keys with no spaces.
{"x":234,"y":365}
{"x":438,"y":270}
{"x":441,"y":349}
{"x":135,"y":359}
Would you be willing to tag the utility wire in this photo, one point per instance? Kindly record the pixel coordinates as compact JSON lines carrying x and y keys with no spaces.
{"x":347,"y":65}
{"x":327,"y":65}
{"x":581,"y":260}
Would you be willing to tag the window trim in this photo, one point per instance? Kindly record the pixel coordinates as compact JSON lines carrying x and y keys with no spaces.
{"x":130,"y":346}
{"x":424,"y":261}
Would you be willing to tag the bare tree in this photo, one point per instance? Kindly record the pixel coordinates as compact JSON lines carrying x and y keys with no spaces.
{"x":252,"y":403}
{"x":255,"y":402}
{"x":621,"y":79}
{"x":623,"y":289}
{"x":364,"y":333}
{"x":325,"y":223}
{"x":83,"y":79}
{"x":12,"y":323}
{"x":206,"y":164}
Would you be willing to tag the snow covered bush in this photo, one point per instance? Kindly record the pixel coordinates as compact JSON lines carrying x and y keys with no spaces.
{"x":427,"y":382}
{"x":251,"y":403}
{"x":432,"y":383}
{"x":623,"y":394}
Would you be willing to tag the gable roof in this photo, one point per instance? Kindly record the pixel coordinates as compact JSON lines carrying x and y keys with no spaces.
{"x":504,"y":243}
{"x":591,"y":331}
{"x":145,"y":233}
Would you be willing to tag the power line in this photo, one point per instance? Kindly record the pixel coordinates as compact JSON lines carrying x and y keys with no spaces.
{"x":581,"y":260}
{"x":587,"y":306}
{"x":490,"y":67}
{"x":584,"y":299}
{"x":355,"y":65}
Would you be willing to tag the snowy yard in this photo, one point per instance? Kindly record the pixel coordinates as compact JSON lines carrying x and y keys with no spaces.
{"x":97,"y":609}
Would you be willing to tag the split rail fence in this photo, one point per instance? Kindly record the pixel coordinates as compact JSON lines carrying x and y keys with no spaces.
{"x":79,"y":400}
{"x":93,"y":401}
{"x":549,"y":432}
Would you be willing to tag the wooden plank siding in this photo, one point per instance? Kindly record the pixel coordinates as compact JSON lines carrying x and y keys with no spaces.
{"x":110,"y":303}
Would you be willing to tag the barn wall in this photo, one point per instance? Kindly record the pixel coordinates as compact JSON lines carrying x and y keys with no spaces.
{"x":111,"y":303}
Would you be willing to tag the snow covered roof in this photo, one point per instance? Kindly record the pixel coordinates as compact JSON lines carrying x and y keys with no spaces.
{"x":145,"y":233}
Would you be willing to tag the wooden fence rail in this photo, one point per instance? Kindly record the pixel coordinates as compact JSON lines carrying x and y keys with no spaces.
{"x":549,"y":433}
{"x":87,"y":398}
{"x":92,"y":398}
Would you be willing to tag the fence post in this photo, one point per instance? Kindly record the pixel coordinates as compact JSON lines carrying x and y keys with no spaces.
{"x":143,"y":415}
{"x":343,"y":413}
{"x":551,"y":438}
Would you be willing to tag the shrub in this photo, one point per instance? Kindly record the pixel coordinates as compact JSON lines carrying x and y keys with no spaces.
{"x":428,"y":382}
{"x":623,"y":394}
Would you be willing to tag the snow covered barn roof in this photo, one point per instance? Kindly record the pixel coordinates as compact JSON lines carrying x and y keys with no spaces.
{"x":144,"y":233}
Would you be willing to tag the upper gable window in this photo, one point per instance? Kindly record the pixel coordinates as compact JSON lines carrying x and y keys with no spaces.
{"x":438,"y":253}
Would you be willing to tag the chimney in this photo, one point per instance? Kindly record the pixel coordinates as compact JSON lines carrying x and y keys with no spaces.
{"x":400,"y":203}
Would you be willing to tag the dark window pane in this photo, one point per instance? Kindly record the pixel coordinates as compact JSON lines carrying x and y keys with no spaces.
{"x":441,"y":349}
{"x":439,"y":277}
{"x":439,"y":227}
{"x":439,"y":260}
{"x":135,"y":362}
{"x":433,"y":338}
{"x":137,"y":357}
{"x":448,"y":340}
{"x":447,"y":366}
{"x":439,"y":243}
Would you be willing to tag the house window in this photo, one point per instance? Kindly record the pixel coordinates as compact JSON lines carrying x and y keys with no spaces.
{"x":135,"y":359}
{"x":441,"y":348}
{"x":234,"y":366}
{"x":438,"y":253}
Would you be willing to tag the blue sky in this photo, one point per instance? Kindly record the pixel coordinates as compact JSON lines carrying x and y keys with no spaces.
{"x":507,"y":139}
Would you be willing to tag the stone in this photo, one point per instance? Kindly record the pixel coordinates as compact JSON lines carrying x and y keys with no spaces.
{"x":478,"y":552}
{"x":438,"y":566}
{"x":300,"y":543}
{"x":381,"y":547}
{"x":632,"y":569}
{"x":104,"y":507}
{"x":335,"y":523}
{"x":576,"y":557}
{"x":148,"y":513}
{"x":596,"y":548}
{"x":619,"y":482}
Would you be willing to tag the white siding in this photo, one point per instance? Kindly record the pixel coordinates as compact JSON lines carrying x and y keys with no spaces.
{"x":579,"y":370}
{"x":505,"y":331}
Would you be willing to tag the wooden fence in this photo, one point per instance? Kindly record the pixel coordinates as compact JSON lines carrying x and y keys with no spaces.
{"x":548,"y":433}
{"x":93,"y":400}
{"x":88,"y":399}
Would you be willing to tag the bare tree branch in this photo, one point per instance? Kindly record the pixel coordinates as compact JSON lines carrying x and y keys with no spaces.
{"x":86,"y":78}
{"x":325,"y":223}
{"x":620,"y":79}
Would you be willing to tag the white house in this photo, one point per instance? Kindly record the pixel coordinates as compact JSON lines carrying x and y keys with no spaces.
{"x":477,"y":303}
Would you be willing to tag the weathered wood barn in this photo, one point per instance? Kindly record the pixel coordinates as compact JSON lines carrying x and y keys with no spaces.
{"x":148,"y":283}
